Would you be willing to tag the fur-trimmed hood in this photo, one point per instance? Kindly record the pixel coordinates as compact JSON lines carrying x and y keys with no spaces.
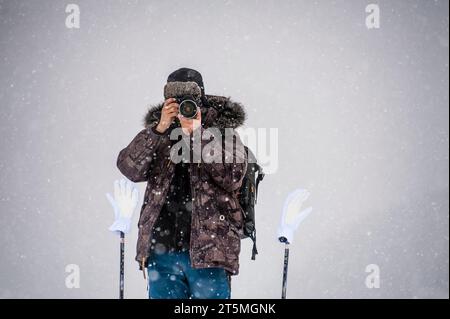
{"x":224,"y":113}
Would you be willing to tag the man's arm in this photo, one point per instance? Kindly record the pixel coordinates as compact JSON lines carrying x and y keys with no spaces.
{"x":135,"y":159}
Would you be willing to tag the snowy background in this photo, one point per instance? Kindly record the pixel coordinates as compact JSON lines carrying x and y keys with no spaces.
{"x":362,"y":117}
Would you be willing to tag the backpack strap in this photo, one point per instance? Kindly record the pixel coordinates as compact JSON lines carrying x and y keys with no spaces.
{"x":253,"y":236}
{"x":258,"y":179}
{"x":254,"y":250}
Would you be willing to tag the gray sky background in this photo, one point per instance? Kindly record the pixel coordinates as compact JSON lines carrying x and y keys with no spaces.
{"x":362,"y":118}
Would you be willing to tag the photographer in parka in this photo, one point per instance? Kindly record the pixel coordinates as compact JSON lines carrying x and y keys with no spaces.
{"x":190,"y":226}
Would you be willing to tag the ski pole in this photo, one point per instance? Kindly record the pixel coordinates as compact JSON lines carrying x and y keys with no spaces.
{"x":122,"y":267}
{"x":285,"y":270}
{"x":127,"y":195}
{"x":291,"y":218}
{"x":284,"y":240}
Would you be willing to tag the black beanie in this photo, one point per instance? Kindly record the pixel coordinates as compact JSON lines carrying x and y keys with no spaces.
{"x":187,"y":75}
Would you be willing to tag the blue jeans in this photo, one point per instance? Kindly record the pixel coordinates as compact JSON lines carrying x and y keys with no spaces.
{"x":171,"y":276}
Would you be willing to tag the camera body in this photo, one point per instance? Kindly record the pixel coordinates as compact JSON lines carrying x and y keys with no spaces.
{"x":188,"y":107}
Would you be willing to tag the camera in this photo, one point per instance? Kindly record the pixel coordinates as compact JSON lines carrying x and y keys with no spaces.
{"x":188,"y":107}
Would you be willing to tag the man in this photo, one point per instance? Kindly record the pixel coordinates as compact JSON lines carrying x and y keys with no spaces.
{"x":190,"y":225}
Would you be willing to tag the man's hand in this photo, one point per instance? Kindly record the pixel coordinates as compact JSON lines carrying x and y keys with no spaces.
{"x":190,"y":125}
{"x":168,"y":113}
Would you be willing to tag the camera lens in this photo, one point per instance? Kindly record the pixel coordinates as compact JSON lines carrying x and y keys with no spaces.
{"x":188,"y":109}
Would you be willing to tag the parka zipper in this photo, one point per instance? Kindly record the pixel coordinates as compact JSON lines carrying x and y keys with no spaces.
{"x":192,"y":215}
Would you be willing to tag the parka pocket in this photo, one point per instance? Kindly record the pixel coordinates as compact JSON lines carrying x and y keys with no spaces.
{"x":235,"y":218}
{"x":232,"y":243}
{"x":144,"y":218}
{"x":228,"y":225}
